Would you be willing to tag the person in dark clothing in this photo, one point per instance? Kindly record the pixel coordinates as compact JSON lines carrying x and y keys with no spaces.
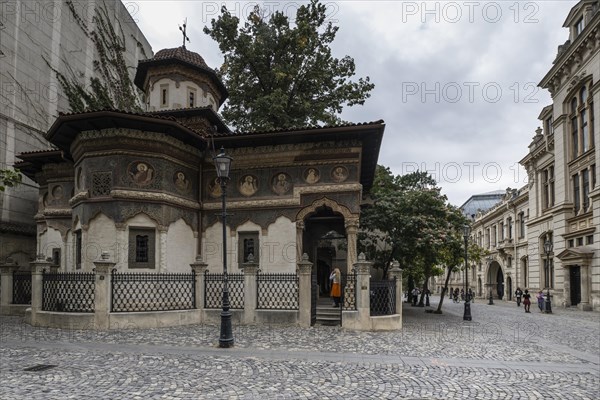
{"x":526,"y":300}
{"x":518,"y":296}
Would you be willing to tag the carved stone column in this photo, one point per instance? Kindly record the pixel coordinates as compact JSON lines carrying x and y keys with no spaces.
{"x":363,"y":290}
{"x":304,"y":275}
{"x":199,"y":268}
{"x":250,"y":270}
{"x":102,"y":292}
{"x":6,"y":279}
{"x":162,"y":236}
{"x":351,"y":234}
{"x":299,"y":236}
{"x":37,"y":269}
{"x":396,"y":272}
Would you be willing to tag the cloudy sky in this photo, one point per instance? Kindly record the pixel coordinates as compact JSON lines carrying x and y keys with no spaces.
{"x":455,"y":82}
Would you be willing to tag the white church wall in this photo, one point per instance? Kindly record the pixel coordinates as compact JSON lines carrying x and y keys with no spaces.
{"x":212,"y":249}
{"x":51,"y":239}
{"x":177,"y":97}
{"x":100,"y":236}
{"x":278,"y":247}
{"x":181,"y":247}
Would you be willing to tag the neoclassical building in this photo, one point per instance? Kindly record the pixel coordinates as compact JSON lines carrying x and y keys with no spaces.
{"x":561,"y":202}
{"x":142,"y":186}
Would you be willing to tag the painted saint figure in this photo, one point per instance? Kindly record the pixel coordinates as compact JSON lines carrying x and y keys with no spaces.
{"x":281,"y":184}
{"x":339,"y":174}
{"x":142,"y":175}
{"x":312,"y":176}
{"x":248,"y":185}
{"x":181,"y":182}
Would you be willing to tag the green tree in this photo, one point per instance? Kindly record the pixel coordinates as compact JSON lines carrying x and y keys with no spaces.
{"x":410,"y":221}
{"x":9,"y":178}
{"x":281,"y":75}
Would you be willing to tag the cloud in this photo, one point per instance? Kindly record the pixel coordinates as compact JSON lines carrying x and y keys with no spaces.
{"x":456,"y":82}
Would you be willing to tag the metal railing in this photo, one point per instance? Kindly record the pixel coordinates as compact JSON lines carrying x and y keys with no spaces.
{"x":349,"y":291}
{"x":68,"y":292}
{"x":140,"y":291}
{"x":383,"y":297}
{"x":21,"y":288}
{"x":213,"y":290}
{"x":277,"y":291}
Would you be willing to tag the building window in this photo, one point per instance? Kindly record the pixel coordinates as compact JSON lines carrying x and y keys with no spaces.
{"x":548,"y":126}
{"x":571,"y":243}
{"x":576,"y":193}
{"x":585,"y":177}
{"x":521,"y":225}
{"x":247,"y":244}
{"x":582,"y":122}
{"x":494,"y":236}
{"x":589,"y":239}
{"x":593,"y":169}
{"x":510,"y":228}
{"x":579,"y":25}
{"x":191,"y":97}
{"x":164,"y":95}
{"x":487,"y":238}
{"x":501,"y":229}
{"x":56,"y":257}
{"x":548,"y":187}
{"x":141,"y":247}
{"x":78,"y":249}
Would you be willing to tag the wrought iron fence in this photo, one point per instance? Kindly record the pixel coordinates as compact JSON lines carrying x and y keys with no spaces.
{"x":140,"y":291}
{"x":213,"y":290}
{"x":350,"y":291}
{"x":383,"y":297}
{"x":68,"y":292}
{"x":21,"y":288}
{"x":277,"y":291}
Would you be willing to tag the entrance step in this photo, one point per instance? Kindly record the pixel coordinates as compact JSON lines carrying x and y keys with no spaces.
{"x":328,"y":315}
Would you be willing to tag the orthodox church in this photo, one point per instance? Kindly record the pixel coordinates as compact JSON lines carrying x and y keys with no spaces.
{"x":142,"y":186}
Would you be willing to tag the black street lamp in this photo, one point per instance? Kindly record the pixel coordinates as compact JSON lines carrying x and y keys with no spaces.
{"x":223,"y":163}
{"x":467,"y":312}
{"x":548,"y":249}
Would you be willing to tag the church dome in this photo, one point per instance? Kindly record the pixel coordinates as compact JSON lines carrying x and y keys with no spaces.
{"x":181,"y":54}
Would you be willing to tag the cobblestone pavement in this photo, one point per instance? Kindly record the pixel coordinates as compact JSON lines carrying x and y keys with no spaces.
{"x":503,"y":353}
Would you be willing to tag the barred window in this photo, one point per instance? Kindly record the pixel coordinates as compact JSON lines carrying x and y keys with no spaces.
{"x":248,"y":244}
{"x":141,"y":248}
{"x":101,"y":183}
{"x":78,"y":249}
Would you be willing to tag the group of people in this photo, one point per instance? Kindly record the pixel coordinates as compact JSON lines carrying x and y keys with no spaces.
{"x":458,"y":296}
{"x":526,"y":297}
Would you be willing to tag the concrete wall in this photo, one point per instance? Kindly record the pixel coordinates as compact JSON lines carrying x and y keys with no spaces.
{"x":32,"y":33}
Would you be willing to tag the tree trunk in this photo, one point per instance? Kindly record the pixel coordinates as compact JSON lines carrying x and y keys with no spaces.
{"x":444,"y":290}
{"x":425,"y":287}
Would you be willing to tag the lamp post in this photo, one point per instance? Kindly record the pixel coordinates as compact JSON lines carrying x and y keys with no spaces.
{"x":223,"y":163}
{"x":467,"y":312}
{"x":548,"y":249}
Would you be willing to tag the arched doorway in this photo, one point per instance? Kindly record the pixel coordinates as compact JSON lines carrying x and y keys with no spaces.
{"x":496,"y":280}
{"x":479,"y":287}
{"x":325,"y":242}
{"x":509,"y":288}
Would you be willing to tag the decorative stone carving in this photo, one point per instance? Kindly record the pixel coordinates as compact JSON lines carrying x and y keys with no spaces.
{"x":336,"y":207}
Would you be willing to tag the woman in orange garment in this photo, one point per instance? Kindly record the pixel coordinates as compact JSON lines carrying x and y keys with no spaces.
{"x":336,"y":290}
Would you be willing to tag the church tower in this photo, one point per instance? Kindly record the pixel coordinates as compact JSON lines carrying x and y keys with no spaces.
{"x":178,"y":83}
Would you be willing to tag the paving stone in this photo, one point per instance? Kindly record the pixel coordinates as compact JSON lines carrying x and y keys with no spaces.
{"x":502,"y":354}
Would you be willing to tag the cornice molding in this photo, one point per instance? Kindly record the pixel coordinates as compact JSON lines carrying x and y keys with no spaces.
{"x":293,"y":201}
{"x":153,"y":197}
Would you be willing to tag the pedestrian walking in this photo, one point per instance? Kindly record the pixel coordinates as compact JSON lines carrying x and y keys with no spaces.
{"x":540,"y":300}
{"x":518,"y":296}
{"x":415,"y":296}
{"x":526,"y":300}
{"x":471,"y":297}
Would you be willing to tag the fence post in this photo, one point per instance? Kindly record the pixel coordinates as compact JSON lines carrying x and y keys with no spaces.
{"x":304,"y":274}
{"x":363,"y":291}
{"x":250,"y":288}
{"x":199,"y":267}
{"x":6,"y":279}
{"x":37,"y":269}
{"x":396,"y":272}
{"x":102,"y":291}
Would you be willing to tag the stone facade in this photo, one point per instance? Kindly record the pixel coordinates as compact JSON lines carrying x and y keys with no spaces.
{"x":561,"y":202}
{"x":35,"y":39}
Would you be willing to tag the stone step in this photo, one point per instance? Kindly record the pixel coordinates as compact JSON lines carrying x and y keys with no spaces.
{"x":329,"y":312}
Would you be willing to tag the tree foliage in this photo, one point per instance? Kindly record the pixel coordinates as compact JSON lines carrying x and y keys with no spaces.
{"x":9,"y":178}
{"x":412,"y":222}
{"x":281,"y":75}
